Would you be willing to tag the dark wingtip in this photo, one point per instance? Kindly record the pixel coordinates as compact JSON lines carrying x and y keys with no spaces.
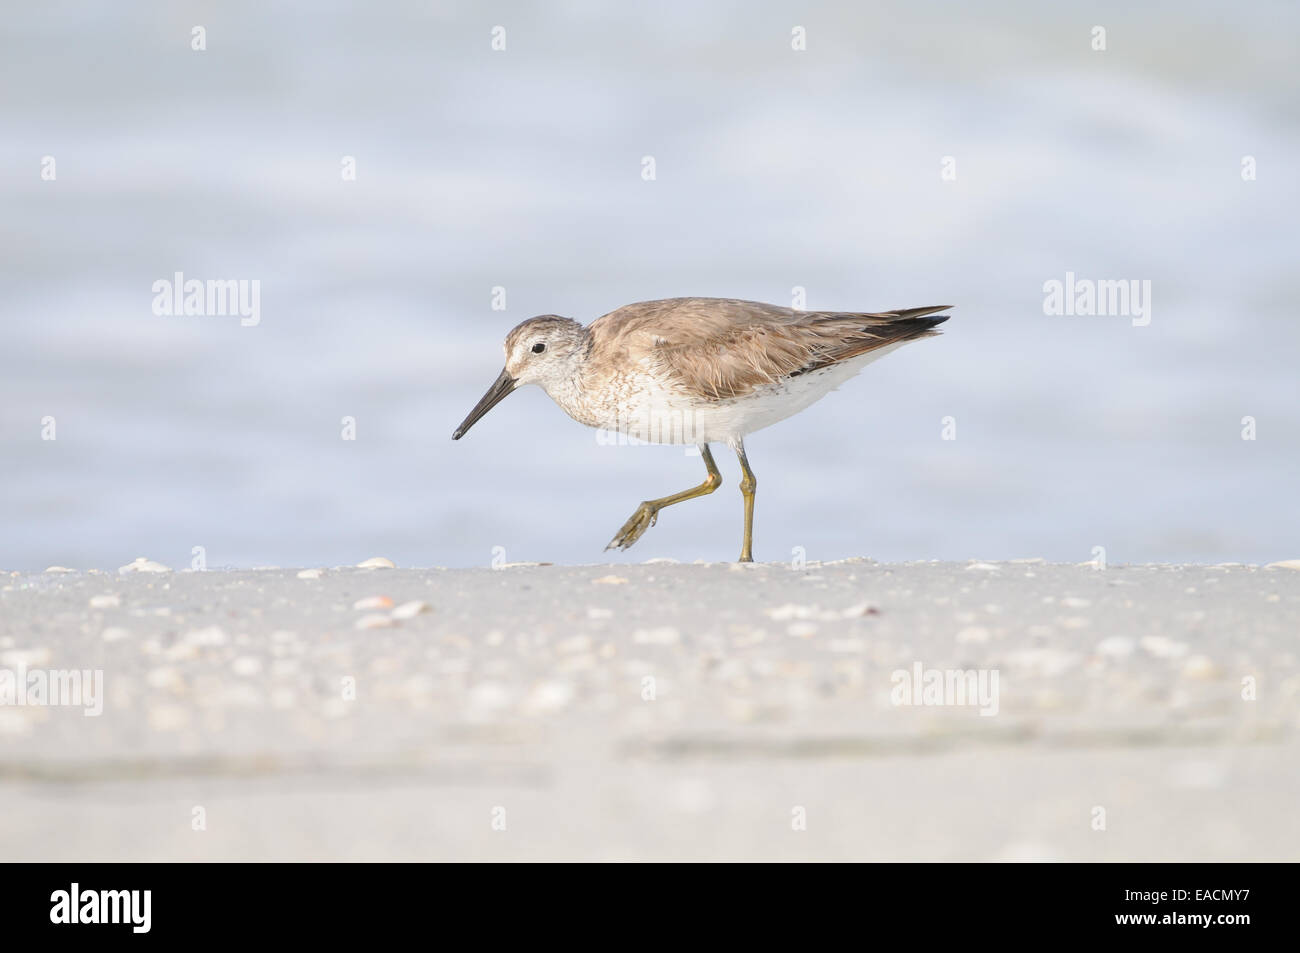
{"x":457,"y":435}
{"x":925,"y":317}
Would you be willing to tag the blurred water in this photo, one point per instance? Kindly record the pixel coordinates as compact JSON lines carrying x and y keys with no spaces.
{"x":522,"y":169}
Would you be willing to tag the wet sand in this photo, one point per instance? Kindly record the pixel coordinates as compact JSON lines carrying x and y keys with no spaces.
{"x":658,"y":711}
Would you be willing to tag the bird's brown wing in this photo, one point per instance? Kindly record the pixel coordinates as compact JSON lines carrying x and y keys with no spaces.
{"x":718,"y":348}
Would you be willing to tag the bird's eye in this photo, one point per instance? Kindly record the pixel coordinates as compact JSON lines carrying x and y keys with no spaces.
{"x":539,"y":347}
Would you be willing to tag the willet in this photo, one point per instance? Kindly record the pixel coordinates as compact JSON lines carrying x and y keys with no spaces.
{"x":696,"y":370}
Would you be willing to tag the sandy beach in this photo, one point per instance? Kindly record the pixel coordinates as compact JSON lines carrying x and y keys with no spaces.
{"x":656,"y":711}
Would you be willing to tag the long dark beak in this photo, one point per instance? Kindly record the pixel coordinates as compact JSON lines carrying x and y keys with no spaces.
{"x":496,"y":393}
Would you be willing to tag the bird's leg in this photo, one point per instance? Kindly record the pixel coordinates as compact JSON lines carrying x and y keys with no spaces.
{"x":748,"y":484}
{"x":648,"y":512}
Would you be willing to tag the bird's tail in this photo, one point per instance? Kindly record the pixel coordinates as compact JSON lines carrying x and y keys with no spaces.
{"x":849,"y":334}
{"x":911,"y":322}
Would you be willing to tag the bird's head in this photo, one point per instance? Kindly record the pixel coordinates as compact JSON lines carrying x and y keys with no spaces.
{"x":545,"y":351}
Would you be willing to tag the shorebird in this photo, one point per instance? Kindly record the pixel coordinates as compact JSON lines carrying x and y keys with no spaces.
{"x":696,"y":370}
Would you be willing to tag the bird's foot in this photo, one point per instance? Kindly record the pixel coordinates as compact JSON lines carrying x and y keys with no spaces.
{"x":645,"y":516}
